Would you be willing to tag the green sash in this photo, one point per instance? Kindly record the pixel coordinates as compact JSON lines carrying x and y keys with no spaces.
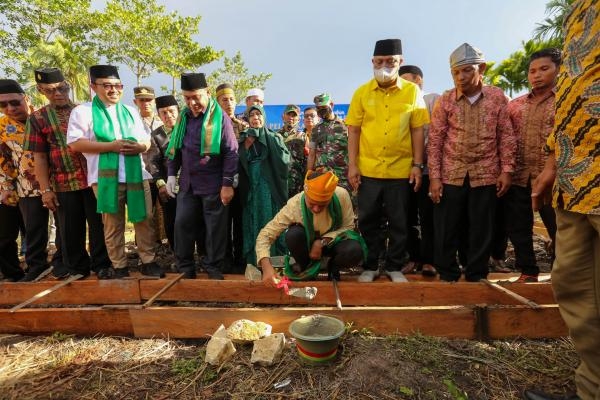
{"x":210,"y":134}
{"x":108,"y":167}
{"x":335,"y":211}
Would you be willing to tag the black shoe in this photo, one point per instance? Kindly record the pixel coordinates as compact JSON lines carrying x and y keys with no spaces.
{"x":214,"y":273}
{"x":121,"y":272}
{"x":152,"y":269}
{"x":15,"y":278}
{"x":189,"y":274}
{"x":105,"y":273}
{"x":31,"y":275}
{"x":537,"y":395}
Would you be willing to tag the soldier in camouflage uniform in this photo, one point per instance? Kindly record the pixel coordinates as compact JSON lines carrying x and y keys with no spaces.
{"x":295,"y":141}
{"x":329,"y":141}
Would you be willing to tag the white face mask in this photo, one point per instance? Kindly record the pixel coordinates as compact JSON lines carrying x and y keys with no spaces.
{"x":385,"y":74}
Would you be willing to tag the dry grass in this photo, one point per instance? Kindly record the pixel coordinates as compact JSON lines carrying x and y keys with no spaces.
{"x":369,"y":367}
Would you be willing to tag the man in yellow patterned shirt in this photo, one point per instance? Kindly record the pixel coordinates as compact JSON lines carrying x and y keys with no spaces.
{"x":17,"y":175}
{"x":385,"y":156}
{"x":574,"y":167}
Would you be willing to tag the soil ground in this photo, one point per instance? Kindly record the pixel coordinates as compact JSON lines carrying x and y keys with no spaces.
{"x":367,"y":367}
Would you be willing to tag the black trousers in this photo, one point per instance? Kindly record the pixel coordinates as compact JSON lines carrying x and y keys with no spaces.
{"x":464,"y":207}
{"x":76,"y":208}
{"x":195,"y":212}
{"x":169,"y":208}
{"x":35,"y":217}
{"x":346,"y":253}
{"x":519,"y":227}
{"x":499,"y":233}
{"x":235,"y":236}
{"x":386,"y":198}
{"x":9,"y":231}
{"x":426,"y":222}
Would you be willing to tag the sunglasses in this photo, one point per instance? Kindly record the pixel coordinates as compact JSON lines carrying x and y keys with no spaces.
{"x":144,"y":100}
{"x":52,"y":90}
{"x":14,"y":103}
{"x":109,"y":86}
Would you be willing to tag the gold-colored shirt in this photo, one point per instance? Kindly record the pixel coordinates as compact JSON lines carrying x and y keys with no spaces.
{"x":576,"y":134}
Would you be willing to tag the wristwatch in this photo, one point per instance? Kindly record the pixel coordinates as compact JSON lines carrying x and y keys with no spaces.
{"x":421,"y":166}
{"x":47,"y":190}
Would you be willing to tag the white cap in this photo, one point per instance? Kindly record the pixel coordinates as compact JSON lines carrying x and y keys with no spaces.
{"x":256,"y":92}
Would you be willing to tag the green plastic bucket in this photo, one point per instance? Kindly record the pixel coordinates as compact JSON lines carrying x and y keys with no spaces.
{"x":317,"y":337}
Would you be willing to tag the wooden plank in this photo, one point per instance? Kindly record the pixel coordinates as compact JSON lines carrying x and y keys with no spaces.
{"x":525,"y":322}
{"x":92,"y":291}
{"x":46,"y":292}
{"x":188,"y":322}
{"x":184,"y":322}
{"x":85,"y":321}
{"x":351,"y":293}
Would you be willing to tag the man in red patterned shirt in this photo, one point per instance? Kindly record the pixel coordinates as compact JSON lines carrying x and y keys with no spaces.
{"x":532,"y":117}
{"x":471,"y":152}
{"x":61,"y":174}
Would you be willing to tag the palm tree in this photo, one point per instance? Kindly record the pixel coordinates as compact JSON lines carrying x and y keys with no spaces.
{"x":552,"y":27}
{"x":72,"y":60}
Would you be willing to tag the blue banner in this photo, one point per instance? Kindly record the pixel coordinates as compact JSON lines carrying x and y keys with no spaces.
{"x":275,"y":113}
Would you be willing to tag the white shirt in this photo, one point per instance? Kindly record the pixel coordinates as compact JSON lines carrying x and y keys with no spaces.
{"x":81,"y":127}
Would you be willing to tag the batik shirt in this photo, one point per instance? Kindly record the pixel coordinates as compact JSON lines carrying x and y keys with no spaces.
{"x":16,"y":164}
{"x":295,"y":141}
{"x":46,"y":132}
{"x":475,"y":139}
{"x":576,"y":135}
{"x":329,"y":140}
{"x":532,"y":121}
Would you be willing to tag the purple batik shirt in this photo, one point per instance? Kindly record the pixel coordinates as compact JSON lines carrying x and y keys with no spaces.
{"x":205,"y":175}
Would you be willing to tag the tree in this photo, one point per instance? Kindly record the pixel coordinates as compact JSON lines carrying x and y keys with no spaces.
{"x":143,"y":36}
{"x":235,"y":72}
{"x":61,"y":54}
{"x":28,"y":24}
{"x":552,"y":27}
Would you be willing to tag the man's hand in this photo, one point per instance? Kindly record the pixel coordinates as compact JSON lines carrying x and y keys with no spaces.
{"x":503,"y":184}
{"x":269,"y":276}
{"x":316,"y":251}
{"x":171,"y":185}
{"x":540,"y":185}
{"x":130,"y":148}
{"x":6,"y":198}
{"x":354,"y":176}
{"x":416,"y":176}
{"x":226,"y":195}
{"x":163,"y":193}
{"x":435,"y":190}
{"x":50,"y":201}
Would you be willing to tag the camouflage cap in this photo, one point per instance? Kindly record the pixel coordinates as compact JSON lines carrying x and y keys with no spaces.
{"x":292,"y":108}
{"x":322,"y":99}
{"x":143,"y":92}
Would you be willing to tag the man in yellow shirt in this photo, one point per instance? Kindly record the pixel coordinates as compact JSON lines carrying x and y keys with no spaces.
{"x":319,"y":222}
{"x":385,"y":153}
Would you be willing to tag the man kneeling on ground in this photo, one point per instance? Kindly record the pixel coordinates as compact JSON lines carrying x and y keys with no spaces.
{"x":319,"y":222}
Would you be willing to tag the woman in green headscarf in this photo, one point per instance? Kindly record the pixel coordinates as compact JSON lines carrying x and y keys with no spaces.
{"x":263,"y":174}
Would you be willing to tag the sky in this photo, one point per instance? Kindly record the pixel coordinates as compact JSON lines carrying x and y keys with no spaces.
{"x":314,"y":46}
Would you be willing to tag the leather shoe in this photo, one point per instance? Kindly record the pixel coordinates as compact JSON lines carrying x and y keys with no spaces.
{"x":214,"y":273}
{"x":538,"y":395}
{"x":428,"y":270}
{"x":152,"y":269}
{"x":105,"y":273}
{"x":121,"y":273}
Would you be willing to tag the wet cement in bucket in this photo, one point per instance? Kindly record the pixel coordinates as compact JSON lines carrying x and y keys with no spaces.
{"x":317,"y":337}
